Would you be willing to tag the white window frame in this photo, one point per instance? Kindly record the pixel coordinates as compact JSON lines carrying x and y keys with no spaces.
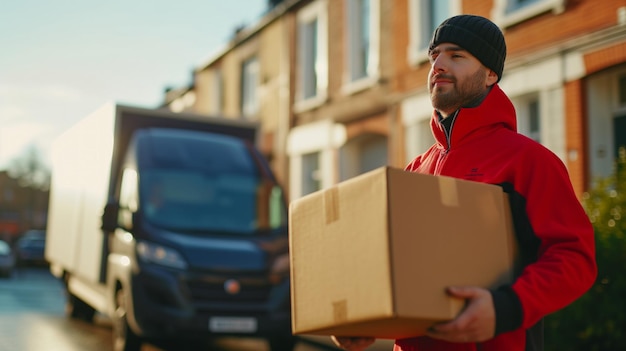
{"x":505,"y":18}
{"x":417,"y":52}
{"x":619,"y":108}
{"x":311,"y":178}
{"x":416,"y":114}
{"x":250,"y":71}
{"x":601,"y":94}
{"x":353,"y":44}
{"x":317,"y":10}
{"x":524,"y":116}
{"x":323,"y":137}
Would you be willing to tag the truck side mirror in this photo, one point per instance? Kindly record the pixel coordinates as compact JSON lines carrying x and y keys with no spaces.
{"x":109,"y":217}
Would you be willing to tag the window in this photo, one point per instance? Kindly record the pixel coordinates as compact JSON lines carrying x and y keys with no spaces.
{"x":529,"y":121}
{"x":312,"y":53}
{"x":362,"y":19}
{"x":362,"y":154}
{"x":509,"y":12}
{"x":308,"y":60}
{"x":418,"y":138}
{"x":225,"y":190}
{"x":416,"y":116}
{"x":514,"y":5}
{"x":312,"y":148}
{"x":534,"y":130}
{"x":424,"y":17}
{"x":433,"y":13}
{"x":311,"y":181}
{"x":373,"y":153}
{"x":249,"y":84}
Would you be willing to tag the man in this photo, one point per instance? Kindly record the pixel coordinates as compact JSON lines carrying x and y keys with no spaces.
{"x":474,"y":125}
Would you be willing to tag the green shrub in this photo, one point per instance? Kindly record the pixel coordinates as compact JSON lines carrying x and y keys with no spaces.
{"x":597,"y":321}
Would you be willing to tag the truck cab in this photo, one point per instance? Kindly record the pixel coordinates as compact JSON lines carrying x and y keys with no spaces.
{"x":199,"y":227}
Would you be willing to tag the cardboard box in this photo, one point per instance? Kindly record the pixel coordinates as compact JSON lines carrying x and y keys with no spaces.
{"x":373,"y":255}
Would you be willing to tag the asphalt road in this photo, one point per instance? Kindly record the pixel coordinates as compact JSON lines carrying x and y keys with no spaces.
{"x":32,"y":318}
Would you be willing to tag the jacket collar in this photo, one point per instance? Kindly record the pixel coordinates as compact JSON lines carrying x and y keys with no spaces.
{"x":496,"y":109}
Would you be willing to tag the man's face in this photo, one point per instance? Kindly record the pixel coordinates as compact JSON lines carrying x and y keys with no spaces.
{"x":456,"y":78}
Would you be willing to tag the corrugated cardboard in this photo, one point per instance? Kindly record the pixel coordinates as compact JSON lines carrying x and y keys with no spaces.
{"x":373,"y":255}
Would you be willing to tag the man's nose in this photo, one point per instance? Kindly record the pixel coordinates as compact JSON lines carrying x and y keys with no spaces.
{"x":439,"y":64}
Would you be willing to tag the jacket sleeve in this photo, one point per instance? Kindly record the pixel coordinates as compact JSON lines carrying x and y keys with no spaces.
{"x":556,"y":245}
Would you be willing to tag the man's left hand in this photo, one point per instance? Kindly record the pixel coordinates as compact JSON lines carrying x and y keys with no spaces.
{"x":476,"y":323}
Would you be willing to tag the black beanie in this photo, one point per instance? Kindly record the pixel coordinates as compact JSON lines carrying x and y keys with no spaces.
{"x":478,"y":35}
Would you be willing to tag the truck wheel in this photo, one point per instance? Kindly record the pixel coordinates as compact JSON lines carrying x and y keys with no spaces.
{"x":79,"y":309}
{"x":75,"y":307}
{"x":124,"y":339}
{"x":282,"y":342}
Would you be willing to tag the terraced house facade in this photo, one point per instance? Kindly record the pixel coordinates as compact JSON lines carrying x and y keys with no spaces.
{"x":338,"y":87}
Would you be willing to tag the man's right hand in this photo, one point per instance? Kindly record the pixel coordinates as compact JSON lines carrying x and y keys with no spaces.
{"x":352,"y":343}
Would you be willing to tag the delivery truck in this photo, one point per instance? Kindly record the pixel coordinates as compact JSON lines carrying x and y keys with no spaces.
{"x":170,"y":224}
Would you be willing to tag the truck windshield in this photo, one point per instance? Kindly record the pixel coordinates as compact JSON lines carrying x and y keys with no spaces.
{"x":188,"y":199}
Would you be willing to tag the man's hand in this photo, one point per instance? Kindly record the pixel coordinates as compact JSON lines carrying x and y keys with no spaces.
{"x":352,"y":343}
{"x":476,"y":323}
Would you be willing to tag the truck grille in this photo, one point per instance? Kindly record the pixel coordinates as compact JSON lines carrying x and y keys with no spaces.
{"x":210,"y":291}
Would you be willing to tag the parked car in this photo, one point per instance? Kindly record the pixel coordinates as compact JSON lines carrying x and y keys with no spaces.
{"x":30,"y":247}
{"x":7,"y":259}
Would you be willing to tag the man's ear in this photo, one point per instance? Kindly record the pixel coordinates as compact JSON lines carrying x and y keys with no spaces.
{"x":492,"y":78}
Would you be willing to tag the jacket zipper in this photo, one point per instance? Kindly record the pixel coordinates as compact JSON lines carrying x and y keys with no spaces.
{"x":444,"y":153}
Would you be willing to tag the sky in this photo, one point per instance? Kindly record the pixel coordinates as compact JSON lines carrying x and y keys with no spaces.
{"x":63,"y":59}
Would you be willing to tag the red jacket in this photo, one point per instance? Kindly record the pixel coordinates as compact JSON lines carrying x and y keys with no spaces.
{"x":555,"y":237}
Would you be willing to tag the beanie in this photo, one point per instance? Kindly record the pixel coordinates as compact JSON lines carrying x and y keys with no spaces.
{"x":478,"y":35}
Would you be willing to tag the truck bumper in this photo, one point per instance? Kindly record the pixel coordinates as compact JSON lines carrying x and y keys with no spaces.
{"x":168,"y":304}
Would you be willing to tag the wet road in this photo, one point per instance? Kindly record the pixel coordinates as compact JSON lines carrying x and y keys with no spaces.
{"x":32,"y":318}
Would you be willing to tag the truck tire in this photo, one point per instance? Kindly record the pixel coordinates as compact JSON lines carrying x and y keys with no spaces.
{"x":282,"y":342}
{"x":124,"y":339}
{"x":75,"y":307}
{"x":79,"y":309}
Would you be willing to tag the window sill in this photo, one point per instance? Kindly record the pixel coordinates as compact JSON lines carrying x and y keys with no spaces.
{"x":356,"y":86}
{"x":504,"y":20}
{"x":310,"y":103}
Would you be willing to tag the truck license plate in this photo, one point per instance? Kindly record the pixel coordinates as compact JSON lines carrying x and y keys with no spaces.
{"x":233,"y":324}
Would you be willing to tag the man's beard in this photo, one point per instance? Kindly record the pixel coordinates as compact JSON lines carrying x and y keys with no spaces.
{"x":461,"y":94}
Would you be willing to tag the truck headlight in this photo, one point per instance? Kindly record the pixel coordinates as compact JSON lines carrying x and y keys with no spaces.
{"x":161,"y":255}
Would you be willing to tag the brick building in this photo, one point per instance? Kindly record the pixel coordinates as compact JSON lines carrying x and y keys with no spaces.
{"x":339,"y":86}
{"x":21,"y":208}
